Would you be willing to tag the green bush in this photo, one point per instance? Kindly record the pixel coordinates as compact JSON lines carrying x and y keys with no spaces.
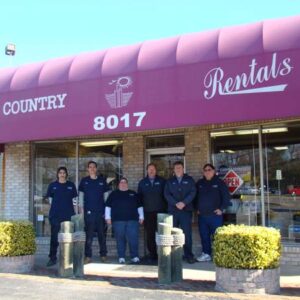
{"x":247,"y":247}
{"x":16,"y":238}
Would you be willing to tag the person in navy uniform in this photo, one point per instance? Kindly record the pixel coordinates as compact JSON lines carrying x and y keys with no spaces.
{"x":62,"y":197}
{"x":125,"y":212}
{"x":91,"y":203}
{"x":180,"y":191}
{"x":151,"y":192}
{"x":212,"y":199}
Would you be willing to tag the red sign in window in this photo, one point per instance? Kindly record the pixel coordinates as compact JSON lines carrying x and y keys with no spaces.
{"x":233,"y":181}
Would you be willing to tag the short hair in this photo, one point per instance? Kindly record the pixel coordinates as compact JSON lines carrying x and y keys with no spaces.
{"x":209,"y":165}
{"x":62,"y":169}
{"x":151,"y":164}
{"x":177,"y":163}
{"x":123,"y":178}
{"x":92,"y":162}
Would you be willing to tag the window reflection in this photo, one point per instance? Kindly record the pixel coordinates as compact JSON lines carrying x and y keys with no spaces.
{"x":238,"y":150}
{"x":49,"y":156}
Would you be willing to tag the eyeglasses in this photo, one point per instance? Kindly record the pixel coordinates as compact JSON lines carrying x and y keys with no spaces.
{"x":207,"y":170}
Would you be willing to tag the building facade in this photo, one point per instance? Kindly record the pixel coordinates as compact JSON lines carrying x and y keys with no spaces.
{"x":227,"y":96}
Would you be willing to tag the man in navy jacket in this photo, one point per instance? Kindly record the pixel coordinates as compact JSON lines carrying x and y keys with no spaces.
{"x":212,"y":199}
{"x":180,"y":192}
{"x":151,"y":192}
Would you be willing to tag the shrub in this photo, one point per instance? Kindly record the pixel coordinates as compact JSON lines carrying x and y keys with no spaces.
{"x":247,"y":247}
{"x":17,"y":238}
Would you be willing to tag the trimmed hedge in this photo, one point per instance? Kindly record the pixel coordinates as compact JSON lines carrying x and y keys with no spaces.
{"x":17,"y":238}
{"x":247,"y":247}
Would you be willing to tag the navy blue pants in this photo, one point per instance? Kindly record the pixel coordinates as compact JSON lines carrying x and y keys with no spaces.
{"x":207,"y":227}
{"x":183,"y":219}
{"x":55,"y":227}
{"x":95,"y":223}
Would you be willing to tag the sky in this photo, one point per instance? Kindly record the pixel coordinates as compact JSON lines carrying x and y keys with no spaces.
{"x":42,"y":30}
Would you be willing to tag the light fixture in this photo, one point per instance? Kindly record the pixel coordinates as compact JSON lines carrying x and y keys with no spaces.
{"x":221,"y":133}
{"x":227,"y":151}
{"x":101,"y":143}
{"x":248,"y":131}
{"x":279,"y":148}
{"x":10,"y":49}
{"x":275,"y":130}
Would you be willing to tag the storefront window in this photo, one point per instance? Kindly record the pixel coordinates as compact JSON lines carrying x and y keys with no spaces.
{"x":1,"y":183}
{"x":48,"y":157}
{"x":75,"y":156}
{"x":236,"y":156}
{"x":281,"y":148}
{"x":108,"y":156}
{"x":165,"y":141}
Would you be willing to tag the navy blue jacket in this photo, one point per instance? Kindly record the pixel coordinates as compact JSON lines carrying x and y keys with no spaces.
{"x":211,"y":195}
{"x":175,"y":192}
{"x":152,"y":195}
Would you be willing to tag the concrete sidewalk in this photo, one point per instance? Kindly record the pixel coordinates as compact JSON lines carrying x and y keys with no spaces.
{"x":113,"y":281}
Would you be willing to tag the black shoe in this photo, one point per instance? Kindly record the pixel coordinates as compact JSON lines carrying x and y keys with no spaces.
{"x":87,"y":260}
{"x":191,"y":260}
{"x":51,"y":262}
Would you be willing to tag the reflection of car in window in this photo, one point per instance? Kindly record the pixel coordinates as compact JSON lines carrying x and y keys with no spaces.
{"x":294,"y":191}
{"x":248,"y":190}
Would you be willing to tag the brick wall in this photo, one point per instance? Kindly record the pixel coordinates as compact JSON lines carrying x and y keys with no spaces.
{"x":15,"y":202}
{"x":133,"y":159}
{"x":196,"y":151}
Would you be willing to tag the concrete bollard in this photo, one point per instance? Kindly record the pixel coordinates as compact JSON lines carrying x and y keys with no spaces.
{"x":164,"y":242}
{"x":165,"y":218}
{"x":176,"y":254}
{"x":78,"y":246}
{"x":65,"y":239}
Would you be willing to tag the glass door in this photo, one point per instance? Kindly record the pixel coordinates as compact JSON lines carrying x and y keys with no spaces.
{"x":164,"y":159}
{"x":281,"y":149}
{"x":236,"y":158}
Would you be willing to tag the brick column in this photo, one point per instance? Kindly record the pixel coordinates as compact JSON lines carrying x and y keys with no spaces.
{"x":133,"y":160}
{"x":196,"y":151}
{"x":15,"y":200}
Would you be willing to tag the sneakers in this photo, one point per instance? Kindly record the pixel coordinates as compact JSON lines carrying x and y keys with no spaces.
{"x":51,"y":262}
{"x":135,"y":260}
{"x":121,"y":260}
{"x":87,"y":260}
{"x":204,"y":257}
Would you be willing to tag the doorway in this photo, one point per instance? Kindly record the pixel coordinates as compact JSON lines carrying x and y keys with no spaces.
{"x":164,"y":159}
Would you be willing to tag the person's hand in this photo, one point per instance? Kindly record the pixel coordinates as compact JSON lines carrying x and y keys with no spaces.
{"x":108,"y":221}
{"x":218,"y":212}
{"x":180,"y":205}
{"x":141,"y":221}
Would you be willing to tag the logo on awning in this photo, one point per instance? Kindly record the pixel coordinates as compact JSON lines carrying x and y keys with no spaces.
{"x":119,"y":98}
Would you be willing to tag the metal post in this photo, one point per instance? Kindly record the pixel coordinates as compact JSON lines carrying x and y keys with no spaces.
{"x":261,"y":167}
